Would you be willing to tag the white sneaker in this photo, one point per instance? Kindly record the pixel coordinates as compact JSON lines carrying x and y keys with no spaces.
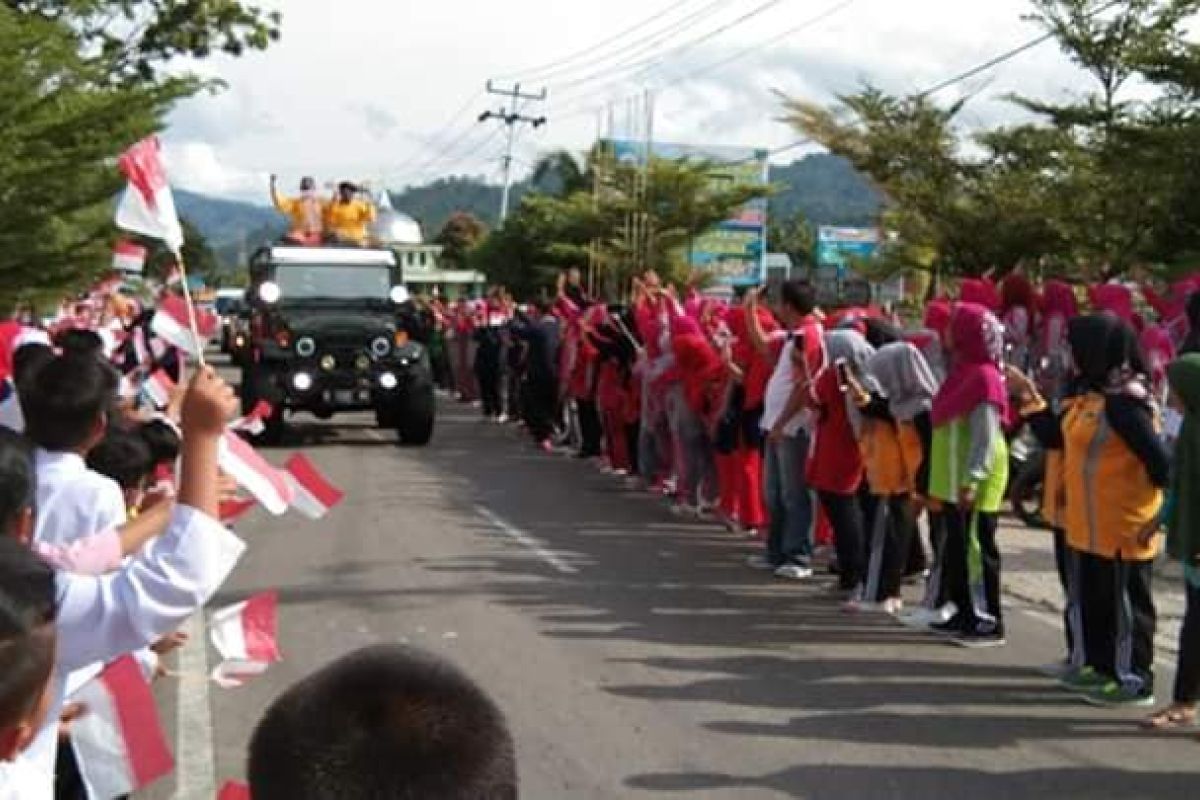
{"x":794,"y":572}
{"x":503,"y":418}
{"x":924,"y":617}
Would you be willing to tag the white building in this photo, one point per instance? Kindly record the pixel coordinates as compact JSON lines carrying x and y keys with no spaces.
{"x":420,"y":263}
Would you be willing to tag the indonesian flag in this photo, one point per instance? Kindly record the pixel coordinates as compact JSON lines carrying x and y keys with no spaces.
{"x":233,"y":510}
{"x":267,"y":484}
{"x":128,"y":257}
{"x":253,"y":423}
{"x":245,"y":636}
{"x":158,"y":388}
{"x":313,"y":494}
{"x":119,"y":743}
{"x":141,"y":350}
{"x":232,"y":790}
{"x":172,"y":323}
{"x":148,"y":207}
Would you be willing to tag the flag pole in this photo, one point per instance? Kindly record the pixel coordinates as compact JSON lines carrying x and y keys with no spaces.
{"x":191,"y":308}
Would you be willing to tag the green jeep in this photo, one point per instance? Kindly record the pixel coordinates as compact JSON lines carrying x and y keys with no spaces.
{"x":328,"y":334}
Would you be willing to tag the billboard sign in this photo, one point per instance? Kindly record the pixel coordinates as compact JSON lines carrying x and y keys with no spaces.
{"x":838,"y":247}
{"x":734,"y":251}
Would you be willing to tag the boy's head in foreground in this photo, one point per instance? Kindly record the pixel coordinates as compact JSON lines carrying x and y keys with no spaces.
{"x":385,"y":721}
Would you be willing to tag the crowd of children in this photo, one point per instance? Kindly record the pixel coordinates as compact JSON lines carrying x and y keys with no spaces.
{"x":850,"y":441}
{"x":112,"y":534}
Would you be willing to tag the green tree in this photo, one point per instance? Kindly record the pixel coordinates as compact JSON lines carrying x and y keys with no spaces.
{"x":198,"y":257}
{"x":61,"y":124}
{"x":794,"y":236}
{"x":137,"y":39}
{"x":458,"y":237}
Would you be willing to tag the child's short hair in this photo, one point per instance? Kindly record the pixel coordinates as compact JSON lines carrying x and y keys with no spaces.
{"x":124,"y":456}
{"x":18,"y":484}
{"x":385,"y":721}
{"x":163,"y":441}
{"x":28,"y":359}
{"x":66,"y":399}
{"x":27,"y":592}
{"x":81,"y":342}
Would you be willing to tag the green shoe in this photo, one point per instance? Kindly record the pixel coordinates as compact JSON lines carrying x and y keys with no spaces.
{"x":1114,"y":695}
{"x":1084,"y":680}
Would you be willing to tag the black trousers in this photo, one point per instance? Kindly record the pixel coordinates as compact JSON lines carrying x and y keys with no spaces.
{"x":1066,"y":561}
{"x":845,"y":514}
{"x":1187,"y":676}
{"x":936,"y":595}
{"x":589,"y":428}
{"x":1119,"y":619}
{"x":539,"y":402}
{"x":488,"y":375}
{"x":978,"y":600}
{"x":889,"y":549}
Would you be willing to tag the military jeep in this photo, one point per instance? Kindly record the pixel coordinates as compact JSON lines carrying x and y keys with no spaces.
{"x":328,"y":334}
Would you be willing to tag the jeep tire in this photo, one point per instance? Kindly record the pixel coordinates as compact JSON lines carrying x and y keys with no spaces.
{"x":256,"y":386}
{"x":414,"y":416}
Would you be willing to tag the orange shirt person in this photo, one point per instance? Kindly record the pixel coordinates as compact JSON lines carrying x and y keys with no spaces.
{"x":347,"y":217}
{"x":306,"y":212}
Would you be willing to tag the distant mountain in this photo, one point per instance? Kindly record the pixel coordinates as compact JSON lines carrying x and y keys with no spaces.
{"x":231,"y":227}
{"x":825,"y":188}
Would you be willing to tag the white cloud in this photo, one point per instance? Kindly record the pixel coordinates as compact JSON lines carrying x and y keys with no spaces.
{"x":197,"y":167}
{"x":363,"y":92}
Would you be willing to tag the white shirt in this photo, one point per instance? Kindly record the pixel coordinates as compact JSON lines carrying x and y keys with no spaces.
{"x":73,"y":501}
{"x":779,"y":390}
{"x":102,"y":618}
{"x":10,"y":408}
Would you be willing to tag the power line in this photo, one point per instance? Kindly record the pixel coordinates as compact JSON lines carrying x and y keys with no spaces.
{"x":408,"y":162}
{"x":511,"y":118}
{"x":641,"y":66}
{"x":1007,"y":55}
{"x":539,"y":72}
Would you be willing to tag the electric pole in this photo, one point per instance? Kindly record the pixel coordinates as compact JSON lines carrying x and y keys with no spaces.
{"x":511,"y":117}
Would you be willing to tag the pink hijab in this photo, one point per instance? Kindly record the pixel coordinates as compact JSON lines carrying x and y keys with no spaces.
{"x":1114,"y":298}
{"x":980,"y":291}
{"x":977,"y":345}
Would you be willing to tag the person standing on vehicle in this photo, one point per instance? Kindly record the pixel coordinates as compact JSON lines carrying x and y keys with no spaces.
{"x":306,"y":212}
{"x":347,"y":216}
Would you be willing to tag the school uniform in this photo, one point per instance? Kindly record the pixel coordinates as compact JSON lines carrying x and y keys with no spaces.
{"x":103,"y":618}
{"x":72,"y":500}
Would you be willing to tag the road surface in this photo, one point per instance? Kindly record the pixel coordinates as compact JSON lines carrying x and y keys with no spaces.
{"x":636,"y":655}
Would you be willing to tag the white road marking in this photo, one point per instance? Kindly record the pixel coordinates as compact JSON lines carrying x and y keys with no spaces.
{"x":526,"y":541}
{"x":195,"y":764}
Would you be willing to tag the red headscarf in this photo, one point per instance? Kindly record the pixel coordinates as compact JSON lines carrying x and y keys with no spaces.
{"x":1017,"y":290}
{"x":980,"y":291}
{"x":1114,"y":298}
{"x":977,"y":345}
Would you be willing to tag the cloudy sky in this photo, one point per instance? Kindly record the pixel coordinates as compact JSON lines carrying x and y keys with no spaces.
{"x":390,"y":90}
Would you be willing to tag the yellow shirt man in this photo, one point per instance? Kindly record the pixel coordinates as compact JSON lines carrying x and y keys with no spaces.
{"x":307,"y":212}
{"x":347,"y":217}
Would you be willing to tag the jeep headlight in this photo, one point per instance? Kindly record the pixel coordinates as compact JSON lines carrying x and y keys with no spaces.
{"x":306,"y":346}
{"x":380,"y":347}
{"x":328,"y":363}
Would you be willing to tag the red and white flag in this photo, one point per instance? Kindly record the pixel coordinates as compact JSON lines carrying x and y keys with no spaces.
{"x":268,"y":485}
{"x":158,"y":388}
{"x":313,"y":494}
{"x":141,"y":350}
{"x":245,"y":636}
{"x":174,"y":275}
{"x":253,"y":423}
{"x":231,"y":511}
{"x":232,"y":790}
{"x":172,"y":323}
{"x":129,"y":257}
{"x":148,"y":207}
{"x":119,"y":742}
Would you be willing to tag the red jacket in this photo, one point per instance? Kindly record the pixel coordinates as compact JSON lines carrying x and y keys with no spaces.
{"x":835,"y":463}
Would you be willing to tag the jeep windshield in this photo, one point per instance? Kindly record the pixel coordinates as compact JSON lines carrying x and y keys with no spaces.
{"x":319,"y":284}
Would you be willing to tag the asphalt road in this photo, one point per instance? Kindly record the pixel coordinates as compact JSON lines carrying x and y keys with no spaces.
{"x":635,"y":655}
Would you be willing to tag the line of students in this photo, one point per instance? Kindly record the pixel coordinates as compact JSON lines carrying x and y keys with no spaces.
{"x":96,"y":562}
{"x":784,"y":423}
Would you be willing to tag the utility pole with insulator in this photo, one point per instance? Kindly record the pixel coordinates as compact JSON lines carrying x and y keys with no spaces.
{"x":511,"y":117}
